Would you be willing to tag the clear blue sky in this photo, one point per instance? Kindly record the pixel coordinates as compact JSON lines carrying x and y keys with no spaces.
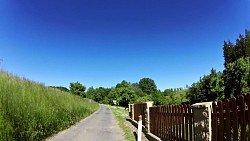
{"x":102,"y":42}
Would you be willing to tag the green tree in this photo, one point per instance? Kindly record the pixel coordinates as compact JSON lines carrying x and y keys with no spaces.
{"x":100,"y":94}
{"x":241,"y":49}
{"x":90,"y":93}
{"x":125,"y":93}
{"x":77,"y":89}
{"x":138,"y":91}
{"x":113,"y":95}
{"x":209,"y":88}
{"x":148,"y":86}
{"x":237,"y":77}
{"x":167,"y":92}
{"x":159,"y":98}
{"x":143,"y":99}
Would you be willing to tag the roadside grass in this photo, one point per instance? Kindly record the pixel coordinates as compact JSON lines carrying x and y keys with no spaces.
{"x":120,"y":115}
{"x":30,"y":111}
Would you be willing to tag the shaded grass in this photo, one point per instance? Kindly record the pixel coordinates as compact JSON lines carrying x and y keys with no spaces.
{"x":120,"y":115}
{"x":31,"y":111}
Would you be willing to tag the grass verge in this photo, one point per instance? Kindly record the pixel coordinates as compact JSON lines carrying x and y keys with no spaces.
{"x":31,"y":111}
{"x":120,"y":115}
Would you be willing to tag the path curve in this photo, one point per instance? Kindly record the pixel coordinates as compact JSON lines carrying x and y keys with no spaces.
{"x":100,"y":126}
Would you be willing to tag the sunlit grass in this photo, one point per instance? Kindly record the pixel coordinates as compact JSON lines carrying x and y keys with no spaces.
{"x":120,"y":115}
{"x":31,"y":111}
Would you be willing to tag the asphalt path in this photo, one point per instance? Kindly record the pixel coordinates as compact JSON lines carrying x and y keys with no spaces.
{"x":100,"y":126}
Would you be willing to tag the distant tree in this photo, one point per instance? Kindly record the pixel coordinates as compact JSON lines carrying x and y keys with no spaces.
{"x":123,"y":84}
{"x":159,"y":98}
{"x":113,"y":95}
{"x":167,"y":92}
{"x":143,"y":98}
{"x":125,"y":93}
{"x":100,"y":94}
{"x":60,"y":88}
{"x":138,"y":91}
{"x":148,"y":86}
{"x":209,"y":88}
{"x":77,"y":89}
{"x":90,"y":93}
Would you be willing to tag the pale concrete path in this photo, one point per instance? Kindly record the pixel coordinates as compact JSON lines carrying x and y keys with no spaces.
{"x":101,"y":126}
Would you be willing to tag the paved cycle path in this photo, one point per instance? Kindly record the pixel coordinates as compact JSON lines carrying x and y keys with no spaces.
{"x":100,"y":126}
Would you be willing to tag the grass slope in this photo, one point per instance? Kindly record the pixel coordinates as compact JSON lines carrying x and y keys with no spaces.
{"x":31,"y":111}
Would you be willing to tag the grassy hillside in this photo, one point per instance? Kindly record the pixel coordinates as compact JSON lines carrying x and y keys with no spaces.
{"x":31,"y":111}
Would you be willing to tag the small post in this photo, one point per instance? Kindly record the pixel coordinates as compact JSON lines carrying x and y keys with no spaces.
{"x":139,"y":128}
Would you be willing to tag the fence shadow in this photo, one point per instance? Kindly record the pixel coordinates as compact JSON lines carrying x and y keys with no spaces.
{"x":135,"y":134}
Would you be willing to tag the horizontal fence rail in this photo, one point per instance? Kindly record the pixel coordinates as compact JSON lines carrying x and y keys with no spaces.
{"x":172,"y":122}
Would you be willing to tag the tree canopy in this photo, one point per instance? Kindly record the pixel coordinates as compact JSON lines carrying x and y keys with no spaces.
{"x":209,"y":88}
{"x":237,"y":77}
{"x":240,"y":50}
{"x":234,"y":80}
{"x":147,"y":85}
{"x":77,"y":89}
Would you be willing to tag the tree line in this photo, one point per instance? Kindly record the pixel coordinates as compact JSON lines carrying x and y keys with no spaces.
{"x":234,"y":80}
{"x":126,"y":92}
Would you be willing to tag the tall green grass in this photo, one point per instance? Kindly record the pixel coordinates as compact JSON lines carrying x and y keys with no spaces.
{"x":31,"y":111}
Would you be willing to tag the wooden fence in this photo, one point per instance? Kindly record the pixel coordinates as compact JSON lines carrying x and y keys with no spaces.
{"x":230,"y":119}
{"x":139,"y":109}
{"x":172,"y":122}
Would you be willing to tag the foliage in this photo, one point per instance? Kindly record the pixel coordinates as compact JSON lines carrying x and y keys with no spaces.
{"x":77,"y":89}
{"x":138,"y":90}
{"x":31,"y":111}
{"x":90,"y":93}
{"x":143,"y":99}
{"x":100,"y":94}
{"x":240,"y":49}
{"x":237,"y":77}
{"x":175,"y":96}
{"x":236,"y":73}
{"x":209,"y":88}
{"x":158,"y":98}
{"x":125,"y":93}
{"x":148,"y":86}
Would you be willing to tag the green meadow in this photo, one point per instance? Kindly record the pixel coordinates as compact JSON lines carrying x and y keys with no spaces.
{"x":31,"y":111}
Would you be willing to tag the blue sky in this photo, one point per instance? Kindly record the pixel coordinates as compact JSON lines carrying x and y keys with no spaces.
{"x":101,"y":43}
